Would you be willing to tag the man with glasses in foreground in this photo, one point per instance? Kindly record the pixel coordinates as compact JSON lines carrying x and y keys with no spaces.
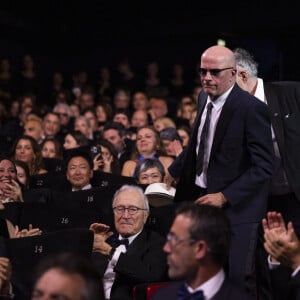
{"x":133,"y":255}
{"x":197,"y":250}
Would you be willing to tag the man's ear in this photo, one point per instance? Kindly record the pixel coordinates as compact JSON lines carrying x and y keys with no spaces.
{"x":244,"y":75}
{"x":201,"y":249}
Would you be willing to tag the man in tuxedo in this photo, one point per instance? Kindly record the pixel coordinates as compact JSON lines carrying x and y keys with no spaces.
{"x":283,"y":246}
{"x":197,"y":247}
{"x":132,"y":255}
{"x":229,"y":159}
{"x":283,"y":100}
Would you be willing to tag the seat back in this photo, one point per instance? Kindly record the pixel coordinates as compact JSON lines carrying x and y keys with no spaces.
{"x":24,"y":253}
{"x":145,"y":291}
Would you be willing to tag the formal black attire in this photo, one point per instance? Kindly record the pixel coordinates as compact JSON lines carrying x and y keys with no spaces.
{"x":283,"y":100}
{"x":227,"y":291}
{"x":144,"y":261}
{"x":240,"y":166}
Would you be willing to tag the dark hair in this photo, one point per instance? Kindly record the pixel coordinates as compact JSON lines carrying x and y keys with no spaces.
{"x":80,"y":153}
{"x":57,"y":145}
{"x":116,"y":126}
{"x":107,"y":109}
{"x":209,"y":223}
{"x":37,"y":163}
{"x":115,"y":164}
{"x":79,"y":137}
{"x":123,"y":111}
{"x":147,"y":164}
{"x":71,"y":263}
{"x":24,"y":166}
{"x":169,"y":134}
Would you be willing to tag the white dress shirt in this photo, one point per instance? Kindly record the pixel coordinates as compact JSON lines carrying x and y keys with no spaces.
{"x":109,"y":275}
{"x":201,"y":180}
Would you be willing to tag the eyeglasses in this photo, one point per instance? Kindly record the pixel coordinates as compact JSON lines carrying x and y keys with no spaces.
{"x":174,"y":240}
{"x":63,"y":114}
{"x":213,"y":72}
{"x":132,"y":210}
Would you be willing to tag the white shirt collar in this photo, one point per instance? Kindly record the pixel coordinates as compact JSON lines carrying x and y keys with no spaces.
{"x":211,"y":286}
{"x":131,"y":238}
{"x":259,"y":92}
{"x":86,"y":187}
{"x":219,"y":102}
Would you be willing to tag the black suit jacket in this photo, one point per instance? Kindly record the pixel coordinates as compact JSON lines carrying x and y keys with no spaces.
{"x":144,"y":261}
{"x":241,"y":160}
{"x":228,"y":291}
{"x":294,"y":288}
{"x":284,"y":104}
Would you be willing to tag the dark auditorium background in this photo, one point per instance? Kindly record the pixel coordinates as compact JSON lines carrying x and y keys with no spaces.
{"x":68,"y":35}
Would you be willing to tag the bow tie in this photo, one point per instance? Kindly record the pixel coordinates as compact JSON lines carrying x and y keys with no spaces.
{"x":184,"y":294}
{"x":115,"y":242}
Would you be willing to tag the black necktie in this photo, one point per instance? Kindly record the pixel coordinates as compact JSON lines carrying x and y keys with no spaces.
{"x":203,"y":140}
{"x":115,"y":242}
{"x":184,"y":294}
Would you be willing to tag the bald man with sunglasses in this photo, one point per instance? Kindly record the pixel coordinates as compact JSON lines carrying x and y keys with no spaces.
{"x":230,"y":158}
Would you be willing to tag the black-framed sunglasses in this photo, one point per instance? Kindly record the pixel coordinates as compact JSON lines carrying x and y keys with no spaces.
{"x":213,"y":72}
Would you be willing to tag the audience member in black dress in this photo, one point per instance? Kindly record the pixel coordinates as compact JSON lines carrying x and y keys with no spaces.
{"x":107,"y":160}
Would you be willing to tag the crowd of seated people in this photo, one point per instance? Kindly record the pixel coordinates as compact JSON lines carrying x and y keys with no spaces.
{"x":67,"y":157}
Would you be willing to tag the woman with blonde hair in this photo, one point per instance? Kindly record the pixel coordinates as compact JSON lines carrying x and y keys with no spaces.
{"x":163,"y":122}
{"x":148,"y":145}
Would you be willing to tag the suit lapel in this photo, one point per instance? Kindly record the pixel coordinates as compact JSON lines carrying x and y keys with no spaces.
{"x":224,"y":119}
{"x":137,"y":243}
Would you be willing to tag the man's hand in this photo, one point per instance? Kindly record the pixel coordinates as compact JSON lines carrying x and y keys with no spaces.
{"x":281,"y":242}
{"x":217,"y":199}
{"x":101,"y":234}
{"x":5,"y":275}
{"x":101,"y":229}
{"x":26,"y":232}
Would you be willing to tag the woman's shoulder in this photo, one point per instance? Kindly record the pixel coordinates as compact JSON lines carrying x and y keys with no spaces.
{"x":166,"y":159}
{"x":128,"y":168}
{"x":42,"y":171}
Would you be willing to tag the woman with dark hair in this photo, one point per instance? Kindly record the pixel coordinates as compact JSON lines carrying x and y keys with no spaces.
{"x":75,"y":139}
{"x":11,"y":191}
{"x":107,"y":161}
{"x":148,"y":171}
{"x":104,"y":113}
{"x":22,"y":173}
{"x":10,"y":188}
{"x":51,"y":148}
{"x":26,"y":148}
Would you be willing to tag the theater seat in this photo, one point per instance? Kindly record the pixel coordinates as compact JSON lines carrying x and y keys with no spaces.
{"x":144,"y":291}
{"x":24,"y":253}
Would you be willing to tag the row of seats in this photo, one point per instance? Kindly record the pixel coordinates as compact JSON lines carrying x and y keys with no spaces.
{"x":25,"y":253}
